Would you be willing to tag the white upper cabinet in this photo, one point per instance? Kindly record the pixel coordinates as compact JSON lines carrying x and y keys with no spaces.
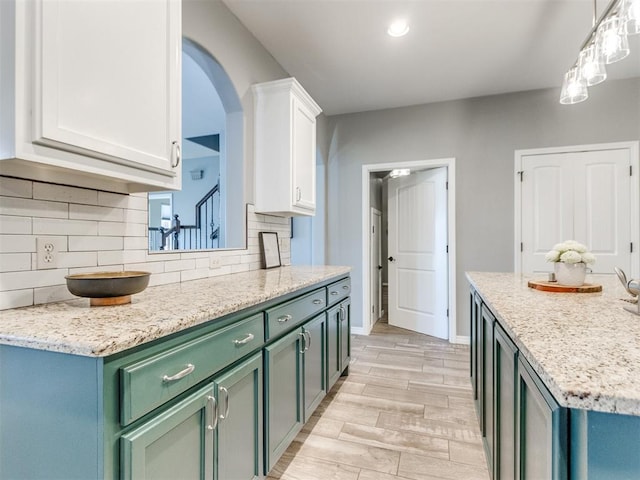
{"x":285,"y":148}
{"x":94,"y":92}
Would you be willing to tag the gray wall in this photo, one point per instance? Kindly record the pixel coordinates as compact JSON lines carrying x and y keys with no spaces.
{"x":482,"y":134}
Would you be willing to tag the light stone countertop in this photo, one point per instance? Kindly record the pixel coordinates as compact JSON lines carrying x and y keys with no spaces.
{"x":76,"y":328}
{"x":584,"y":346}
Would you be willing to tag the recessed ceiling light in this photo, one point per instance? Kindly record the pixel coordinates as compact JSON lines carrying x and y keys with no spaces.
{"x":399,"y":28}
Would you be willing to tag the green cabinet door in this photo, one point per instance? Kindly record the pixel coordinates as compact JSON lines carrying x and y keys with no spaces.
{"x":177,"y":443}
{"x":475,"y":305}
{"x":541,"y":447}
{"x":333,"y":346}
{"x":505,"y":359}
{"x":345,"y":335}
{"x":487,"y":385}
{"x":283,"y":395}
{"x":238,"y":445}
{"x":314,"y":364}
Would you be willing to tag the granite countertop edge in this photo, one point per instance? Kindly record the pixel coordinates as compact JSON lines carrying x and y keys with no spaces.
{"x":73,"y":327}
{"x":564,"y":338}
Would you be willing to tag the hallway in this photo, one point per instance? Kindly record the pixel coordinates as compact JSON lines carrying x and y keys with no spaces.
{"x":405,"y":411}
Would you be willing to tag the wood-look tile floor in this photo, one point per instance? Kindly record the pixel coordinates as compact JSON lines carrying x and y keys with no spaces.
{"x":405,"y":411}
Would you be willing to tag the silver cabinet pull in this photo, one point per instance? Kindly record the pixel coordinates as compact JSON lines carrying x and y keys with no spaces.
{"x":334,"y":292}
{"x":284,"y":318}
{"x":178,"y":155}
{"x":298,"y":194}
{"x":345,"y":287}
{"x":245,"y":340}
{"x":181,"y":374}
{"x":212,"y":413}
{"x":226,"y":403}
{"x":317,"y":301}
{"x":307,"y":340}
{"x":303,"y":343}
{"x":343,"y":313}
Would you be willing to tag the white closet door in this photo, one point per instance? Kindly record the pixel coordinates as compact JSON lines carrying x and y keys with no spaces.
{"x":583,"y":196}
{"x":547,"y":207}
{"x":602,"y":207}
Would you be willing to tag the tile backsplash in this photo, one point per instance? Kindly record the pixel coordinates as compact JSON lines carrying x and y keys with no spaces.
{"x":100,"y":231}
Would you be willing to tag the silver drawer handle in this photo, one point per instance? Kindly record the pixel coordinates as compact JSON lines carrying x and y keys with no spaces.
{"x":245,"y":340}
{"x":345,"y":287}
{"x":181,"y":374}
{"x":317,"y":301}
{"x":343,"y":313}
{"x":284,"y":318}
{"x":333,"y":292}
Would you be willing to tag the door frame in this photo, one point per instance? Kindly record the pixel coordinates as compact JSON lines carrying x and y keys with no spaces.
{"x":367,"y":169}
{"x":634,"y":149}
{"x":375,"y":212}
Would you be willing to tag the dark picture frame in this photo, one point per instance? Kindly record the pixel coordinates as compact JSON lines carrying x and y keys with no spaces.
{"x":270,"y":249}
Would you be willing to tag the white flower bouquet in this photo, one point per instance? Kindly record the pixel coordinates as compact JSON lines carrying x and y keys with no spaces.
{"x":570,"y":251}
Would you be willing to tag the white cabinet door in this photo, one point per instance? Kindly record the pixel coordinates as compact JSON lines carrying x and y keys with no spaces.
{"x":97,"y":90}
{"x":304,"y":165}
{"x":584,"y":196}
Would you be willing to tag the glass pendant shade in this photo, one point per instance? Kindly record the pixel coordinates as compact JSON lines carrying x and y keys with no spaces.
{"x":574,"y":88}
{"x":630,"y":16}
{"x":591,"y":66}
{"x":611,"y":41}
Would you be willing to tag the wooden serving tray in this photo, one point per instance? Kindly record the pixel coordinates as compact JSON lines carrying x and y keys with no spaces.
{"x":558,"y":288}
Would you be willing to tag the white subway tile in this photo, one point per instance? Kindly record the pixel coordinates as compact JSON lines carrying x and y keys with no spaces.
{"x":107,"y":199}
{"x":14,"y":262}
{"x":179,"y":265}
{"x":250,"y":258}
{"x":255,"y":266}
{"x":77,"y":259}
{"x":187,"y":275}
{"x":94,"y":243}
{"x":90,"y":212}
{"x":135,"y":243}
{"x":136,"y":230}
{"x":16,"y":299}
{"x":231,"y":260}
{"x":164,"y":278}
{"x":31,"y":279}
{"x":136,"y":216}
{"x":162,"y":257}
{"x":101,"y":268}
{"x":14,"y":187}
{"x":25,"y":207}
{"x":57,"y":293}
{"x":139,"y":202}
{"x":189,"y":255}
{"x":153,"y":267}
{"x":134,"y":256}
{"x":110,"y":257}
{"x":58,"y":226}
{"x":243,"y":267}
{"x":62,"y":193}
{"x":202,"y":263}
{"x":15,"y":225}
{"x":17,"y":243}
{"x":224,"y":270}
{"x":112,"y":229}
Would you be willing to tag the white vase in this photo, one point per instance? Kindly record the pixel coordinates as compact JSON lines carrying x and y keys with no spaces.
{"x":570,"y":274}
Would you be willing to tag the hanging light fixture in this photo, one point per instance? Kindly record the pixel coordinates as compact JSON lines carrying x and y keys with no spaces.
{"x":606,"y":43}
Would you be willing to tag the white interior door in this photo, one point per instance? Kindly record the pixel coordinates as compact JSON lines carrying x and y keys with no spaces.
{"x":583,"y":196}
{"x":418,"y":277}
{"x":376,"y":265}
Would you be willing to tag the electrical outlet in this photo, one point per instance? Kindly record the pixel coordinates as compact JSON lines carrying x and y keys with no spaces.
{"x":47,"y":253}
{"x":214,"y":262}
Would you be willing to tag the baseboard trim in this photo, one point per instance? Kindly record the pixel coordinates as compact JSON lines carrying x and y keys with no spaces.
{"x":462,"y":340}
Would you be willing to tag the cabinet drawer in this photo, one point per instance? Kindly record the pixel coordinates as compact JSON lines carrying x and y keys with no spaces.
{"x":339,"y":290}
{"x":283,"y":317}
{"x":149,"y":383}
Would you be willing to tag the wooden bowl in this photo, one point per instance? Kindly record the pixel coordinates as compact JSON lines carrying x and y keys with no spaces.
{"x":108,"y":288}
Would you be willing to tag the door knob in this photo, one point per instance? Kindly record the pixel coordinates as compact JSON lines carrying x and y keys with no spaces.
{"x":391,"y":259}
{"x":379,"y":267}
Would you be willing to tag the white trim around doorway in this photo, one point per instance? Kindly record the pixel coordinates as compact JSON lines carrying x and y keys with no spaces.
{"x":367,"y":169}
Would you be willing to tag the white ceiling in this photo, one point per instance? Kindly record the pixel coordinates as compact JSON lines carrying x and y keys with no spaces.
{"x":341,"y":54}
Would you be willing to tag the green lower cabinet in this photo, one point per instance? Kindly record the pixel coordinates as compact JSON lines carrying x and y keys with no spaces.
{"x":238,"y":436}
{"x":315,"y":383}
{"x":542,"y":428}
{"x":505,"y":356}
{"x":333,"y":346}
{"x":283,"y":395}
{"x":177,"y":443}
{"x":345,"y":335}
{"x":486,"y":402}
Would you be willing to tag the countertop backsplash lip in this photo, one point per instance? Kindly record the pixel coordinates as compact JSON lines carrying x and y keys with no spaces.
{"x":584,"y":346}
{"x":74,"y":327}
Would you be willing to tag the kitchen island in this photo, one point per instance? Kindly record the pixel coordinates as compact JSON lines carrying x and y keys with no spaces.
{"x":208,"y":378}
{"x":556,"y":379}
